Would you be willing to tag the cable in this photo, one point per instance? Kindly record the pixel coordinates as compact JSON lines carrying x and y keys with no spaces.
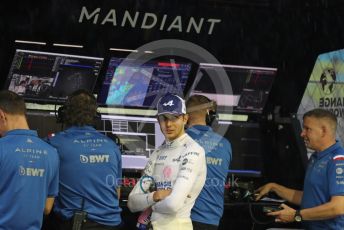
{"x":253,"y":224}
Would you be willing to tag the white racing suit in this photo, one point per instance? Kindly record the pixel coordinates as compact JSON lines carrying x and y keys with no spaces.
{"x":178,"y":165}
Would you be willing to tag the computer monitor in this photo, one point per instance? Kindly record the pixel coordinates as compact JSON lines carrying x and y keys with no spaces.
{"x":247,"y":149}
{"x":248,"y":90}
{"x":51,"y":77}
{"x":137,"y":137}
{"x":128,"y":84}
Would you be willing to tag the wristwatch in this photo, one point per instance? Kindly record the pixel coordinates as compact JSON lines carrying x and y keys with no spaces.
{"x":297,"y":216}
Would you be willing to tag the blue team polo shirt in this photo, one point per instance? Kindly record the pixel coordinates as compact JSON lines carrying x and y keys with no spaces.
{"x":324,"y":179}
{"x":208,"y":208}
{"x":29,"y":174}
{"x":90,"y":171}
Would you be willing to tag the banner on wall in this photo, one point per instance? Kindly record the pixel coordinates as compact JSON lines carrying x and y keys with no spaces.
{"x":325,"y":88}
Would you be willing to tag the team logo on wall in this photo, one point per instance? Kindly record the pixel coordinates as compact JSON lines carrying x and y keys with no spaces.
{"x":328,"y":80}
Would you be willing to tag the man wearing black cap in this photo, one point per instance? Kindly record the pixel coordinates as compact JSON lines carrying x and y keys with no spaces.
{"x":177,"y":168}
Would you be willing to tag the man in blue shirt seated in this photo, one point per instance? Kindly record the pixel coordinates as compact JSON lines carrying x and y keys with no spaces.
{"x":90,"y":169}
{"x":322,"y":199}
{"x":28,"y":169}
{"x":208,"y":209}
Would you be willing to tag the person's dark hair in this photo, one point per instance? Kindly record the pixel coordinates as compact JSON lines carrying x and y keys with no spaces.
{"x":199,"y":102}
{"x":80,"y":109}
{"x":323,"y":114}
{"x":12,"y":103}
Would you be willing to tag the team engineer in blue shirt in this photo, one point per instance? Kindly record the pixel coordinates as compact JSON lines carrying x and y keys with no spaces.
{"x":322,"y":199}
{"x":28,"y":169}
{"x":208,"y":209}
{"x":90,"y":169}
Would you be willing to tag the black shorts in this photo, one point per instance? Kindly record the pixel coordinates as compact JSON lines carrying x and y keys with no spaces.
{"x":202,"y":226}
{"x":54,"y":222}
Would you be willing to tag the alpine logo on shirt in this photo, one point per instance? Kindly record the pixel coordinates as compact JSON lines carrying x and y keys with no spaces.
{"x":94,"y":159}
{"x":176,"y":159}
{"x":85,"y":141}
{"x":29,"y":150}
{"x":90,"y":143}
{"x":29,"y":141}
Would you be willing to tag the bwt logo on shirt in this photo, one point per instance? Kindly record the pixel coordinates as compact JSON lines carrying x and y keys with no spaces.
{"x":92,"y":159}
{"x":31,"y":171}
{"x":214,"y":161}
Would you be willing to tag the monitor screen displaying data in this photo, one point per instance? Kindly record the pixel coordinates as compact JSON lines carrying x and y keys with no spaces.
{"x":51,"y":77}
{"x":137,"y":137}
{"x":246,"y":91}
{"x":129,"y":84}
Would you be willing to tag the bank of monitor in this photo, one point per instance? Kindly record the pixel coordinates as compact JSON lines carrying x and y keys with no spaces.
{"x":238,"y":89}
{"x":51,"y":77}
{"x":132,"y":86}
{"x":135,"y":84}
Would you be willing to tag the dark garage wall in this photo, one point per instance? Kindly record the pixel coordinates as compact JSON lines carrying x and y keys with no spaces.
{"x":285,"y":34}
